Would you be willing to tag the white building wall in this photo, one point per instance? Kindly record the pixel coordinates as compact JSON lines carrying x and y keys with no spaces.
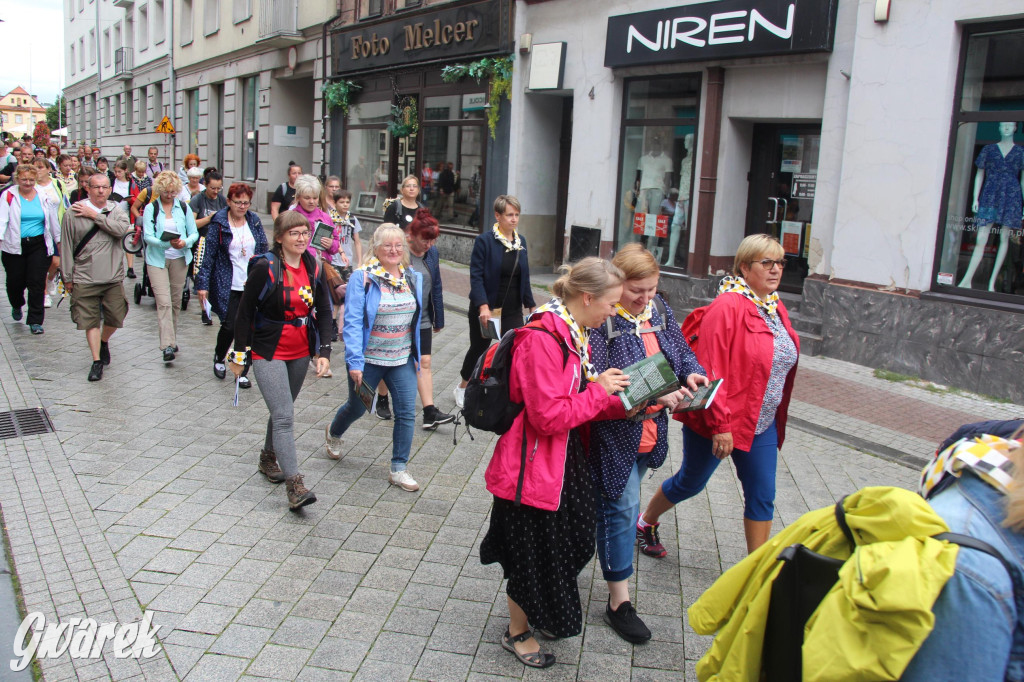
{"x":903,"y":79}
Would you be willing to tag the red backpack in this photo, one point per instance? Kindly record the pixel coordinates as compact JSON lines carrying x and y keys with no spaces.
{"x":691,"y":326}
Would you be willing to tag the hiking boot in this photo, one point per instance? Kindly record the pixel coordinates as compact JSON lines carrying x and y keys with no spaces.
{"x":96,"y":371}
{"x":650,"y":543}
{"x":333,"y":444}
{"x":383,"y":409}
{"x":404,"y":481}
{"x":269,"y":468}
{"x":105,"y":352}
{"x":625,"y":621}
{"x":433,"y":417}
{"x":298,"y":494}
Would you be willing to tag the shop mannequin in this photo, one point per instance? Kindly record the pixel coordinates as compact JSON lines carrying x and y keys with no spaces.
{"x":653,"y":178}
{"x":682,"y":213}
{"x":998,"y":199}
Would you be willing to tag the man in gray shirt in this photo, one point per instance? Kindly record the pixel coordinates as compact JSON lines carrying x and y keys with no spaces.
{"x":92,"y":267}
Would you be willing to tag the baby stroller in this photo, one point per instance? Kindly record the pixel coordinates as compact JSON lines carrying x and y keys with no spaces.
{"x":133,"y":243}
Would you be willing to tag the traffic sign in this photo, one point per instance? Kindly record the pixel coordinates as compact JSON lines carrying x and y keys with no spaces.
{"x":165,"y":126}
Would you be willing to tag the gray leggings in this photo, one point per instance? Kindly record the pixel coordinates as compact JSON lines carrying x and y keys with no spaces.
{"x":280,"y":382}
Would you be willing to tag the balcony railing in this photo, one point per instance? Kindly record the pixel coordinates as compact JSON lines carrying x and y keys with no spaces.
{"x":123,"y":63}
{"x":124,"y":4}
{"x":279,"y":21}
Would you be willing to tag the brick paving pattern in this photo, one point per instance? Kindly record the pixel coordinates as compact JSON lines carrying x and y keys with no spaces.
{"x":147,"y":497}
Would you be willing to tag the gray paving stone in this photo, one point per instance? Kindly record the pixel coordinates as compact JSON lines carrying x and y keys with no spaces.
{"x":442,"y":666}
{"x":336,"y":653}
{"x":245,"y":641}
{"x":280,"y":662}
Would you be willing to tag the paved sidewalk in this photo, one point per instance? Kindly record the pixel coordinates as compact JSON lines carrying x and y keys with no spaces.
{"x":147,"y":497}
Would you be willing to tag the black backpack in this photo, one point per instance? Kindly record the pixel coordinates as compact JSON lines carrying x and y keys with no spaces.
{"x":487,"y":404}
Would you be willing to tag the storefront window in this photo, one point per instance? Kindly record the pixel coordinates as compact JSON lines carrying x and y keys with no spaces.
{"x":980,"y":234}
{"x":368,"y":144}
{"x":658,"y":151}
{"x":454,"y":137}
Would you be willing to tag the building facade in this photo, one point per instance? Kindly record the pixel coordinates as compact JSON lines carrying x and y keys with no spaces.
{"x":881,"y":143}
{"x":409,"y":116}
{"x":19,"y":112}
{"x":249,"y":87}
{"x":118,"y":66}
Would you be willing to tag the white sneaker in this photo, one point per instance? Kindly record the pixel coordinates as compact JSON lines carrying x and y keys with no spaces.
{"x":460,"y":397}
{"x":403,"y":480}
{"x":333,"y":444}
{"x":51,"y":287}
{"x":47,"y":301}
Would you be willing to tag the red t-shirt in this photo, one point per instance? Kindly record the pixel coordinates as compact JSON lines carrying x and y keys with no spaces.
{"x":298,"y":301}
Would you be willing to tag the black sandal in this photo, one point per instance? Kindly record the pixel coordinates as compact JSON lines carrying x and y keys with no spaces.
{"x":536,"y":659}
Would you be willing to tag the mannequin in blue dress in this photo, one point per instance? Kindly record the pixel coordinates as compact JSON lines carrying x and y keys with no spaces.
{"x":998,"y":199}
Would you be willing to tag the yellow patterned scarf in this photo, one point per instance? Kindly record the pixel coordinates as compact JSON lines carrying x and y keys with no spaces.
{"x":637,"y":320}
{"x":515,"y":245}
{"x":986,"y":455}
{"x":374,"y":267}
{"x":580,"y":335}
{"x":737,"y":285}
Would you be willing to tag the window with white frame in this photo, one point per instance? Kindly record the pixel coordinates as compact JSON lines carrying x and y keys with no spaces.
{"x":211,"y":17}
{"x":185,"y":28}
{"x":106,"y":47}
{"x":143,"y":27}
{"x":81,"y":53}
{"x":92,"y":46}
{"x":242,"y":10}
{"x":73,"y":63}
{"x":158,"y":22}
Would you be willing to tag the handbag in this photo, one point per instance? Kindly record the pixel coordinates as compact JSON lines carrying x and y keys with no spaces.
{"x":334,"y":282}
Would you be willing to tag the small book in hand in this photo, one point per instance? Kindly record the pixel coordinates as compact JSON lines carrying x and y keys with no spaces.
{"x":491,"y":330}
{"x":369,"y":397}
{"x":702,"y":398}
{"x":169,"y":236}
{"x":321,"y":230}
{"x":649,"y":378}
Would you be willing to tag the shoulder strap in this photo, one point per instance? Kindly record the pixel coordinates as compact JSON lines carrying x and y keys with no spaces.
{"x":85,"y":240}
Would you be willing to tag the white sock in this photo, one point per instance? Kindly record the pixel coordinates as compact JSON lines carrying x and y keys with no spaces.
{"x":640,"y":521}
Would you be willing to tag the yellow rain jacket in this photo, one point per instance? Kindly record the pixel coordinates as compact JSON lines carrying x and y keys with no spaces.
{"x":870,"y":624}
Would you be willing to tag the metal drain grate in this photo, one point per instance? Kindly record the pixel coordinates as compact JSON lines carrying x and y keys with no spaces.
{"x":20,"y":423}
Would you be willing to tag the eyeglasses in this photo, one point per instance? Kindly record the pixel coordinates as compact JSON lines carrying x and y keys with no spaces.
{"x":296,"y":234}
{"x":241,"y":204}
{"x":391,"y":247}
{"x":767,"y":263}
{"x":103,"y":187}
{"x":213,"y":189}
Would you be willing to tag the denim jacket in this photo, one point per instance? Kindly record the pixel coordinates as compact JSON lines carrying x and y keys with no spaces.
{"x":362,"y":299}
{"x":979,"y":616}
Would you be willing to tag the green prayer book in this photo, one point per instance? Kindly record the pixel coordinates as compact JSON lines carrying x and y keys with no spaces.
{"x":650,"y":378}
{"x":702,"y":398}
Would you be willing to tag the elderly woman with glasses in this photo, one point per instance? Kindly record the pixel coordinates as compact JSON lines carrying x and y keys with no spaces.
{"x":383,"y":312}
{"x":167,"y":259}
{"x":234,"y":235}
{"x":746,"y":339}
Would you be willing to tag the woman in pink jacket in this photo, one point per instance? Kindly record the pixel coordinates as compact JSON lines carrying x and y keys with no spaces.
{"x":542,"y":524}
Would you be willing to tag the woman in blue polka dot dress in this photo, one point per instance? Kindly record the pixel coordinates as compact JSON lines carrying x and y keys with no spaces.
{"x":621,"y":451}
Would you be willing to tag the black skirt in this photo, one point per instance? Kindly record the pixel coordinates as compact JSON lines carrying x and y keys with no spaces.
{"x":542,"y":552}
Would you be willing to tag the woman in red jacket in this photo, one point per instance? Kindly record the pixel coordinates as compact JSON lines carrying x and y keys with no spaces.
{"x":542,"y":523}
{"x":746,"y":339}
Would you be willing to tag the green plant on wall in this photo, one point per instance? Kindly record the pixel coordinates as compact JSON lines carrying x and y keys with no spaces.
{"x":339,"y":95}
{"x":498,"y":70}
{"x":405,"y":120}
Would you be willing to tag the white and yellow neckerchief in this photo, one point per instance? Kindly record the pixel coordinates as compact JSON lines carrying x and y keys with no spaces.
{"x":515,"y":245}
{"x":580,"y":334}
{"x":637,"y":320}
{"x":738,"y":285}
{"x":985,"y":455}
{"x":374,"y":267}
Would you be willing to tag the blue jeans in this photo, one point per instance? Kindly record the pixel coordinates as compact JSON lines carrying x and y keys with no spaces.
{"x":401,"y":382}
{"x":616,"y":525}
{"x":755,"y":469}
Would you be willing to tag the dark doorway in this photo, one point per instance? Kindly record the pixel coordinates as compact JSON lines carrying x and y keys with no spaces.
{"x":562,"y":201}
{"x":783,"y":173}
